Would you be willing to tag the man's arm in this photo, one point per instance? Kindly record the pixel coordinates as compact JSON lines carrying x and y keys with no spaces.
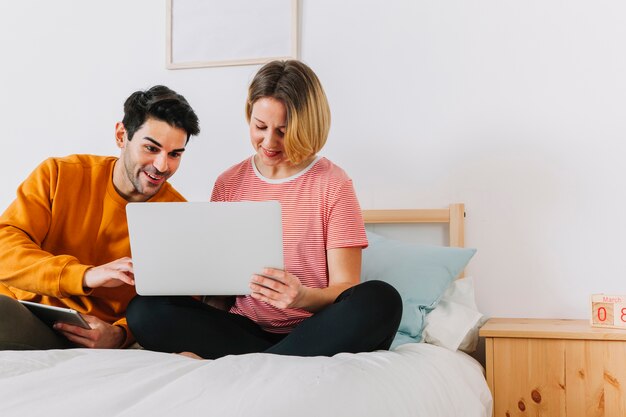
{"x":102,"y":335}
{"x":23,"y":228}
{"x":49,"y":212}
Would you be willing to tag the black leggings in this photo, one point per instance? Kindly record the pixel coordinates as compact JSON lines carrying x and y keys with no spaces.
{"x":362,"y":319}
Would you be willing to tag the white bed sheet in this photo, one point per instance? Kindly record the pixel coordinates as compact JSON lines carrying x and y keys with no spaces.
{"x":414,"y":380}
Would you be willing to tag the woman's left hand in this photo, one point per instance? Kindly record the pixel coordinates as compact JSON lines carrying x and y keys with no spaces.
{"x":278,"y":288}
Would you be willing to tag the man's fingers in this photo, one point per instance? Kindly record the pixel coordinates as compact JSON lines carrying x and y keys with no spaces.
{"x":71,"y":329}
{"x":119,"y":276}
{"x":124,"y":277}
{"x":124,"y":265}
{"x":75,"y":334}
{"x":81,"y":341}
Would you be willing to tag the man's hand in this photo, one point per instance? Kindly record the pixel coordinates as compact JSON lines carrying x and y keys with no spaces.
{"x":102,"y":335}
{"x":113,"y":274}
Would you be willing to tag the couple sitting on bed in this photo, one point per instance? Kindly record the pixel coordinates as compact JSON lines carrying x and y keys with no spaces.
{"x":64,"y":240}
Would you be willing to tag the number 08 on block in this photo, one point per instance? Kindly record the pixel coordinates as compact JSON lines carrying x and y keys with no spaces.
{"x":608,"y":311}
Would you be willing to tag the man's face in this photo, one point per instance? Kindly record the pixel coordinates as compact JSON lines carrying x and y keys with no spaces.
{"x":148,"y":159}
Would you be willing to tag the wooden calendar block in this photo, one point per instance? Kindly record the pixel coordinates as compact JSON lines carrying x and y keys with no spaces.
{"x":608,"y":311}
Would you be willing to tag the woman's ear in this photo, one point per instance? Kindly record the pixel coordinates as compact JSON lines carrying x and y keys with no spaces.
{"x":120,"y":134}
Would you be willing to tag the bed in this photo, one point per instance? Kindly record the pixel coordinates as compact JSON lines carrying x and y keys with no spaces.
{"x":424,"y":374}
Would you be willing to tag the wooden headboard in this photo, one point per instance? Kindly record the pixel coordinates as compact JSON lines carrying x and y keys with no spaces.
{"x":454,"y":216}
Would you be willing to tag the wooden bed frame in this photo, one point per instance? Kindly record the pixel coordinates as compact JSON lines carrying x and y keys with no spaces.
{"x":454,"y":216}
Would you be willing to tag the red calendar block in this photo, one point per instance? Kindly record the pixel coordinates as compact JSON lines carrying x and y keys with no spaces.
{"x":608,"y":311}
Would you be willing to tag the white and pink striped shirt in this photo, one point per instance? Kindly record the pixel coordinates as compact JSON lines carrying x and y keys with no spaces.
{"x":320,"y":211}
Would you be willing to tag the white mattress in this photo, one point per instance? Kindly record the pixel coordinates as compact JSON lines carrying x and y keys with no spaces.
{"x":414,"y":380}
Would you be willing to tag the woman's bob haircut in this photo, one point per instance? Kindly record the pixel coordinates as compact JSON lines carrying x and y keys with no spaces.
{"x":308,"y":113}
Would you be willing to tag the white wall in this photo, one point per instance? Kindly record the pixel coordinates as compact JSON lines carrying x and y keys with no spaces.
{"x":516,"y":108}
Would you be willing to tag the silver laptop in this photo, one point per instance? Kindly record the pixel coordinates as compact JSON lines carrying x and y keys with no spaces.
{"x":203,"y":248}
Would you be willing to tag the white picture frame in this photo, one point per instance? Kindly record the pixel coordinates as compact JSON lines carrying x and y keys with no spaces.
{"x":214,"y":33}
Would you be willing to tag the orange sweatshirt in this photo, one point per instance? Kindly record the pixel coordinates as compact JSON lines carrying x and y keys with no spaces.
{"x":68,"y":217}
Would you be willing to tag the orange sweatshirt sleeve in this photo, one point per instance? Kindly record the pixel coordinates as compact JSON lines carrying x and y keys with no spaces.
{"x":129,"y":339}
{"x":24,"y":227}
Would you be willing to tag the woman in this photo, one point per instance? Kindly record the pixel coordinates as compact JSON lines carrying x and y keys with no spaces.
{"x":315,"y":306}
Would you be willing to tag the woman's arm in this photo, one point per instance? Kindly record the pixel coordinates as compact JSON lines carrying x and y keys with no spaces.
{"x":284,"y":290}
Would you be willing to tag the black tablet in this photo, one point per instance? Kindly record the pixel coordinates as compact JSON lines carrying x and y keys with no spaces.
{"x":51,"y":314}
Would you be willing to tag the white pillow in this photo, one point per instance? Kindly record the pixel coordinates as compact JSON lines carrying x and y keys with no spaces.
{"x":454,"y":323}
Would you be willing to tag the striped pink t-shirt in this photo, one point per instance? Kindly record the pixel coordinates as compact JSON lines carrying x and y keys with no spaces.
{"x":320,"y":211}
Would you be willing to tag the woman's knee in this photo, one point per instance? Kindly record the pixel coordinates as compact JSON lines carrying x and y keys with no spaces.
{"x":136,"y":307}
{"x":147,"y":318}
{"x":381,"y":292}
{"x":375,"y":298}
{"x":144,"y":312}
{"x":388,"y":297}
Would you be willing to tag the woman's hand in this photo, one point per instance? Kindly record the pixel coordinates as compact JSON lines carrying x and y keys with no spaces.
{"x":284,"y":290}
{"x":278,"y":288}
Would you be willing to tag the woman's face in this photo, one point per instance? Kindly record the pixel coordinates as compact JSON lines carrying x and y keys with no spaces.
{"x":268,"y":122}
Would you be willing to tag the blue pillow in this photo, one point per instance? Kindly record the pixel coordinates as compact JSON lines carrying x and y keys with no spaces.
{"x":420,"y":273}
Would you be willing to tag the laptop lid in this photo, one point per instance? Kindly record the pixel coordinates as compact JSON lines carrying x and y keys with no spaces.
{"x":203,"y":248}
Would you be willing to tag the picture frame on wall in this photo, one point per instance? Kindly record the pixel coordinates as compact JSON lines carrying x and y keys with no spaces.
{"x":214,"y":33}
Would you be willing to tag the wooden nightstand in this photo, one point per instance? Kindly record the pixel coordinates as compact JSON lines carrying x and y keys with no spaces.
{"x":542,"y":367}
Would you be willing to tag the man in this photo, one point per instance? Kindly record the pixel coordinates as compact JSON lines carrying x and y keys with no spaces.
{"x":64,"y":240}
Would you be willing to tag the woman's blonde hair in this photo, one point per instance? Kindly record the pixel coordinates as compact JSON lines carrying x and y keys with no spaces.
{"x":308,"y":113}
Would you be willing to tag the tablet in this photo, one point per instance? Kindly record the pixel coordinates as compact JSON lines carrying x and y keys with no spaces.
{"x":51,"y":314}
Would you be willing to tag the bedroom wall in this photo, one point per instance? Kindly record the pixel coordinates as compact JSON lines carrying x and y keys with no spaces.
{"x":515,"y":108}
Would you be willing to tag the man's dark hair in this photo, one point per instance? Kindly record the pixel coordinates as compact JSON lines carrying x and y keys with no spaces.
{"x":161,"y":103}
